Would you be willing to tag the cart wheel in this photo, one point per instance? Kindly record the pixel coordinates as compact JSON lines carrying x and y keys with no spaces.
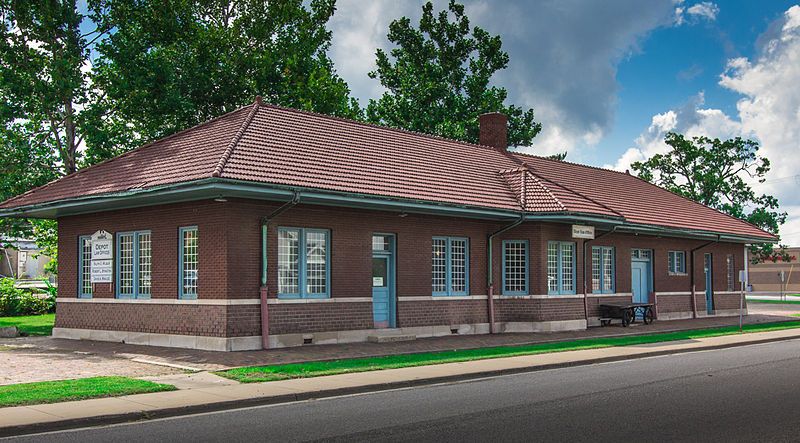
{"x":626,"y":317}
{"x":648,"y":316}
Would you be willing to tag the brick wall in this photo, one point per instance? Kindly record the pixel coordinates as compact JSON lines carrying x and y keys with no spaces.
{"x":434,"y":313}
{"x":292,"y":318}
{"x":535,"y":310}
{"x":230,"y":267}
{"x":204,"y":320}
{"x":163,"y":222}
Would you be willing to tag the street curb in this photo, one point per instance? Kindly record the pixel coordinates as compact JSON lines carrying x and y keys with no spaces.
{"x":111,"y":419}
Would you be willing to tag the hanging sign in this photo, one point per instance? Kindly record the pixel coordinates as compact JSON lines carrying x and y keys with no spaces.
{"x":581,"y":231}
{"x":102,"y":255}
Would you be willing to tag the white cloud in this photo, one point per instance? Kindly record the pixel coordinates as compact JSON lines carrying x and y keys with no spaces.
{"x":768,"y":111}
{"x":564,"y":55}
{"x":693,"y":14}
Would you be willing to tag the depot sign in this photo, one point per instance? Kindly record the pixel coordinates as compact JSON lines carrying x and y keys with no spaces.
{"x":102,"y":256}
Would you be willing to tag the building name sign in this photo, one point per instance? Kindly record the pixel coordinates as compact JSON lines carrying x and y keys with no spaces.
{"x":581,"y":231}
{"x":102,"y":255}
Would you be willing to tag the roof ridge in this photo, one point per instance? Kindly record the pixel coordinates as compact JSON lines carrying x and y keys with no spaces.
{"x":236,"y":137}
{"x":377,"y":126}
{"x":541,"y":157}
{"x":123,"y":155}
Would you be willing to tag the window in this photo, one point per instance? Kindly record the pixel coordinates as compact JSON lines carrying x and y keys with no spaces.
{"x":731,"y":270}
{"x":85,"y":267}
{"x":560,"y":267}
{"x":189,"y":261}
{"x":643,"y":254}
{"x":382,"y":243}
{"x":515,"y":267}
{"x":450,"y":266}
{"x":602,"y":270}
{"x":303,"y":258}
{"x":134,"y":264}
{"x":677,"y":262}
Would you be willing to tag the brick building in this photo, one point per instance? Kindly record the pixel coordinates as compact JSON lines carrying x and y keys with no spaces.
{"x":271,"y":227}
{"x":777,"y":277}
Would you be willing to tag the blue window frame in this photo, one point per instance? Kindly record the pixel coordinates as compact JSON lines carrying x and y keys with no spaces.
{"x":450,"y":266}
{"x":134,"y":264}
{"x":677,"y":262}
{"x":560,"y":268}
{"x":85,"y":266}
{"x":603,"y":275}
{"x":515,"y":267}
{"x":303,"y":263}
{"x":188,"y":262}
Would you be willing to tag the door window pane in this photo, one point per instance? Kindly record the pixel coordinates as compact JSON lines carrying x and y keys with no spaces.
{"x":381,"y":243}
{"x":379,"y":273}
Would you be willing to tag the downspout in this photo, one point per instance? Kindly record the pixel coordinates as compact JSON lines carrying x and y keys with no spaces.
{"x":264,"y":288}
{"x":691,"y":275}
{"x":585,"y":274}
{"x":490,"y":270}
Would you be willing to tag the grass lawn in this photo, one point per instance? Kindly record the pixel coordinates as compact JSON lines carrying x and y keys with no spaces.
{"x":80,"y":389}
{"x":316,"y":369}
{"x":31,"y":324}
{"x":775,"y":302}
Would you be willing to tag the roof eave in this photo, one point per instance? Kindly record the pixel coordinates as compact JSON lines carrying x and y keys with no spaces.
{"x":216,"y":187}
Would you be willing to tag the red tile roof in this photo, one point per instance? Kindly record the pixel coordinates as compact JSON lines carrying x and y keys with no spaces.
{"x":277,"y":146}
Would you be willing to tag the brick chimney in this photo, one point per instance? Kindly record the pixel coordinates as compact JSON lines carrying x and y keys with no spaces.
{"x":494,"y":130}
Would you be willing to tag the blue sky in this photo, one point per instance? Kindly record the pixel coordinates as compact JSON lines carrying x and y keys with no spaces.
{"x":676,"y":63}
{"x":609,"y":79}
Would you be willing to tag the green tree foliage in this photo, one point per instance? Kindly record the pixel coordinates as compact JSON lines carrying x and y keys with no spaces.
{"x":169,"y":65}
{"x":712,"y":172}
{"x":42,"y":84}
{"x":438,"y":79}
{"x":44,"y":94}
{"x":78,"y":88}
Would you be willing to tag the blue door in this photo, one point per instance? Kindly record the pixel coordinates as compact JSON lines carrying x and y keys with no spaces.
{"x":382,"y":288}
{"x":707,"y":269}
{"x":640,"y":281}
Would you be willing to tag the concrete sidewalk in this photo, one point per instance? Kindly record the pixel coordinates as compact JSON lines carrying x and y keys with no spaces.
{"x":209,"y":393}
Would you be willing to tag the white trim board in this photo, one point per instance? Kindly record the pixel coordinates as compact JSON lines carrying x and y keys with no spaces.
{"x":295,"y":301}
{"x":161,"y":301}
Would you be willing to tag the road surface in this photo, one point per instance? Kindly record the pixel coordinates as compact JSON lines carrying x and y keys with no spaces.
{"x":747,"y":393}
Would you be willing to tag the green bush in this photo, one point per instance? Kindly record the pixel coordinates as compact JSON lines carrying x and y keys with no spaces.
{"x":15,"y":301}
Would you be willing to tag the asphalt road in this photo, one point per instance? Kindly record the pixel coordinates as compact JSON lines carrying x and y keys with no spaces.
{"x":747,"y":393}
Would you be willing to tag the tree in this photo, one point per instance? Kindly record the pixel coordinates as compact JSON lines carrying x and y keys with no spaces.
{"x":78,"y":87}
{"x":43,"y":86}
{"x":712,"y":172}
{"x":438,"y":79}
{"x":171,"y":65}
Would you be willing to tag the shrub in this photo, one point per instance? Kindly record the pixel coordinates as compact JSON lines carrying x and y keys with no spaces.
{"x":15,"y":301}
